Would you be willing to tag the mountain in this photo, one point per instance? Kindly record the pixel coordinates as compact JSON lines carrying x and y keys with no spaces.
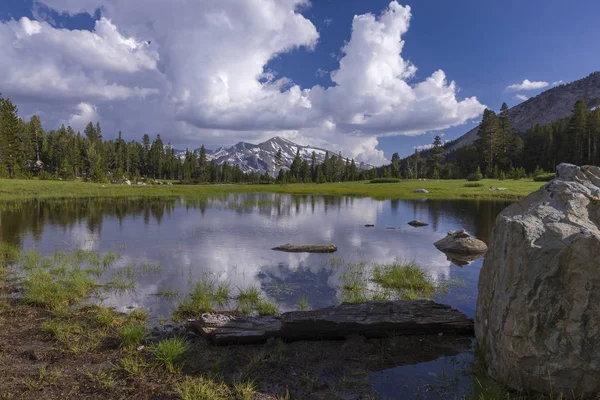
{"x":546,"y":107}
{"x":260,"y":158}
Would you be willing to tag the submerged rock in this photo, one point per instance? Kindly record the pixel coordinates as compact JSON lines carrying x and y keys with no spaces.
{"x":417,"y":223}
{"x":307,"y":248}
{"x":538,"y":308}
{"x":420,"y":191}
{"x":461,"y":243}
{"x":369,"y":225}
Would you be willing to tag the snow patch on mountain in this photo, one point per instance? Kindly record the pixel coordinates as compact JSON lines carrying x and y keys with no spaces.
{"x":261,"y":158}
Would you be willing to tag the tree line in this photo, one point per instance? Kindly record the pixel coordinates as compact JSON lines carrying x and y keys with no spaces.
{"x":27,"y":151}
{"x":500,"y":152}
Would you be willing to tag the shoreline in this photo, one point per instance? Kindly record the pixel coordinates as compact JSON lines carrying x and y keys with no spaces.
{"x":14,"y":190}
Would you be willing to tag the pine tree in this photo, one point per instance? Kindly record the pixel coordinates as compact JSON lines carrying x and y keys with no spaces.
{"x":579,"y":132}
{"x":278,"y":160}
{"x":436,"y":158}
{"x":313,"y":167}
{"x":486,"y":144}
{"x":202,"y":162}
{"x":11,"y":144}
{"x":295,"y":167}
{"x":395,"y":165}
{"x":503,"y":139}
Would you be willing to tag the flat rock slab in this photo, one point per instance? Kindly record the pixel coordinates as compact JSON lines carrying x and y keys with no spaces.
{"x":417,"y":223}
{"x":371,"y":319}
{"x":420,"y":191}
{"x":307,"y":248}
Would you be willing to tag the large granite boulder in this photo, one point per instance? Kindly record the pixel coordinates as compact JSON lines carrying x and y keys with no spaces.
{"x":538,"y":309}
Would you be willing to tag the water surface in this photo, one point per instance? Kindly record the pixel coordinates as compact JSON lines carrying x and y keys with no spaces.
{"x":231,"y":238}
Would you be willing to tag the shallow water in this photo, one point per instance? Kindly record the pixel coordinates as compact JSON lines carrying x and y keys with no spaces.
{"x":231,"y":238}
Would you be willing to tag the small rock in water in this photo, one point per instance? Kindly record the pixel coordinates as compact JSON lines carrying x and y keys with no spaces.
{"x":417,"y":223}
{"x":390,"y":227}
{"x":461,"y":243}
{"x":369,"y":225}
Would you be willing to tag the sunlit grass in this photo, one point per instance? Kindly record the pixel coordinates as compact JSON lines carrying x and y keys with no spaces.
{"x":57,"y":288}
{"x":408,"y":281}
{"x":360,"y":282}
{"x":206,"y":295}
{"x":202,"y":388}
{"x":15,"y":189}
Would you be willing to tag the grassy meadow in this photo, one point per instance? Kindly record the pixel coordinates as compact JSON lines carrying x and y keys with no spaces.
{"x":15,"y":189}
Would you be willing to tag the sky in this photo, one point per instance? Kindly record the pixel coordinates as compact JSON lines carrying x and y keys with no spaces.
{"x":368,"y":78}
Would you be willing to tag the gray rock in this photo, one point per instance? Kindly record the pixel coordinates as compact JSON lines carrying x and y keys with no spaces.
{"x":420,"y":191}
{"x":538,"y":308}
{"x":494,"y":189}
{"x":417,"y":223}
{"x":307,"y":248}
{"x":461,"y":243}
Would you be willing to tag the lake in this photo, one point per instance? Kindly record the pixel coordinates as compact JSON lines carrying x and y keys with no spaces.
{"x":165,"y":244}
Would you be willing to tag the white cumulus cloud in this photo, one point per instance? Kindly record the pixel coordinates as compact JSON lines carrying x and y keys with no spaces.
{"x":521,"y":97}
{"x":84,"y":114}
{"x":196,"y":72}
{"x":527,"y":85}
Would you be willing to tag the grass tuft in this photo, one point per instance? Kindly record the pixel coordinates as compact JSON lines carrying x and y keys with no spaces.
{"x":57,"y":288}
{"x":202,"y":388}
{"x":170,"y":353}
{"x":245,"y":390}
{"x":131,"y":336}
{"x":407,"y":280}
{"x":303,"y":304}
{"x":205,"y":296}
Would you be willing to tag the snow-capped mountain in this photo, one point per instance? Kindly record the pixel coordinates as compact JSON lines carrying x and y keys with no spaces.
{"x":260,"y":157}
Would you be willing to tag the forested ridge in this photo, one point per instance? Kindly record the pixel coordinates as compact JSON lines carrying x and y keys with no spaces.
{"x":500,"y":152}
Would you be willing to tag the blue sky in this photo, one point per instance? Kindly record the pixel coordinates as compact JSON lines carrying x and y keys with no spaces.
{"x":483,"y":46}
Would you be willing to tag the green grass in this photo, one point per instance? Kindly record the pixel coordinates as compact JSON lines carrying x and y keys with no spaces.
{"x":250,"y":295}
{"x":360,"y":282}
{"x":303,"y":304}
{"x":119,"y":284}
{"x":265,"y":307}
{"x":245,"y":390}
{"x":407,"y":280}
{"x":206,"y":295}
{"x":57,"y":287}
{"x":132,"y":366}
{"x":15,"y":189}
{"x":202,"y":388}
{"x":170,"y":352}
{"x":131,"y":336}
{"x":167,"y":293}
